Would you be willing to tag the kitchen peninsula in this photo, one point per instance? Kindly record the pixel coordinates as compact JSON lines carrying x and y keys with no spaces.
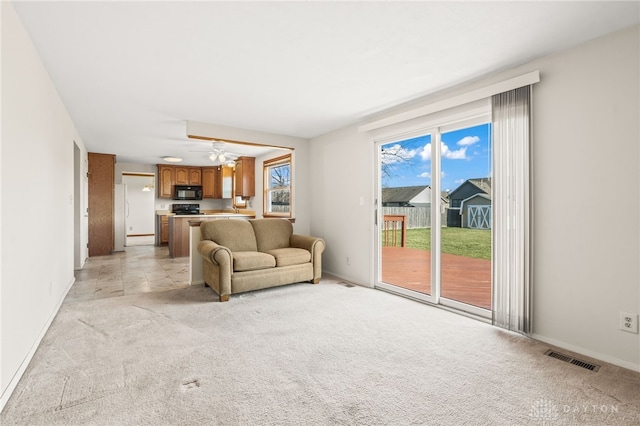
{"x":179,"y":242}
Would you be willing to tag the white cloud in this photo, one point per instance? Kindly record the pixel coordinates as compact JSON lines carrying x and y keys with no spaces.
{"x":425,"y":175}
{"x":458,"y":181}
{"x":445,"y":152}
{"x":468,"y":140}
{"x":397,"y":154}
{"x":458,"y":154}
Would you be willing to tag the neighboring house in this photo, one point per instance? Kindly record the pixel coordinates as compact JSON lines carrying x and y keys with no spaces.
{"x":406,"y":196}
{"x":470,"y":204}
{"x":411,"y":196}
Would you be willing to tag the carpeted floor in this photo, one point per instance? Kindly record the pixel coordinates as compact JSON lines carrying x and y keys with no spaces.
{"x":302,"y":354}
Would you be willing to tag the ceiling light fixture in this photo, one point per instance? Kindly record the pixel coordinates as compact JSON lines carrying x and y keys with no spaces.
{"x":218,"y":157}
{"x":172,"y":159}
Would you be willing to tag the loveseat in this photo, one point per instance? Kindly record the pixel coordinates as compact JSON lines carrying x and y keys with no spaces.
{"x":241,"y":255}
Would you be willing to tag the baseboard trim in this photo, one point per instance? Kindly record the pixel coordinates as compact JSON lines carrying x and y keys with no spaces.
{"x":350,"y":280}
{"x":6,"y":393}
{"x":586,"y":352}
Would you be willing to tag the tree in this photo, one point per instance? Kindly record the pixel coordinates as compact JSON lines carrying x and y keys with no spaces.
{"x":393,"y":156}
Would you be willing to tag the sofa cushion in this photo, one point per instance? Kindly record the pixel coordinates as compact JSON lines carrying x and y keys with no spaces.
{"x":252,"y":260}
{"x":236,"y":235}
{"x":272,"y":233}
{"x":290,"y":256}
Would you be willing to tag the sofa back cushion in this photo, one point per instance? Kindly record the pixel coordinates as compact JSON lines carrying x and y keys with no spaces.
{"x":272,"y":233}
{"x":234,"y":234}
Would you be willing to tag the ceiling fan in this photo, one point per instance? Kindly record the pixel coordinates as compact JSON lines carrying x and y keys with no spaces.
{"x":218,"y":154}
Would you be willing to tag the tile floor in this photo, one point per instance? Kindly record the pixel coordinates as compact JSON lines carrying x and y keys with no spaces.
{"x":138,"y":269}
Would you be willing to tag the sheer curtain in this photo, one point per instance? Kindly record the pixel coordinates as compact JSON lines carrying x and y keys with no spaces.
{"x":511,"y":243}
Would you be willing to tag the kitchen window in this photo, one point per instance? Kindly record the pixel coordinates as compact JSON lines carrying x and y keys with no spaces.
{"x":277,"y":187}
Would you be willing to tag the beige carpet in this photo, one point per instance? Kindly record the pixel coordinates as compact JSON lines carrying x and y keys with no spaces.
{"x":302,"y":354}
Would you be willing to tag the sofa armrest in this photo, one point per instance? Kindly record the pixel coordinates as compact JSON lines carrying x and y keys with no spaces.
{"x":217,"y":266}
{"x":315,"y":246}
{"x":215,"y":253}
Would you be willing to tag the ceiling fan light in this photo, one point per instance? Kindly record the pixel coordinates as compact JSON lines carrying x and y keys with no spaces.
{"x":222,"y":158}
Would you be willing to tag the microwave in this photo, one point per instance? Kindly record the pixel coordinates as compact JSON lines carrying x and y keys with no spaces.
{"x":187,"y":192}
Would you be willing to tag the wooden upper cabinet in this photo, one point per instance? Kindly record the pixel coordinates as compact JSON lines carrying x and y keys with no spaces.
{"x":245,"y":177}
{"x":169,"y":176}
{"x":195,"y":176}
{"x":211,"y":184}
{"x":166,"y":179}
{"x":182,"y":176}
{"x":186,"y":175}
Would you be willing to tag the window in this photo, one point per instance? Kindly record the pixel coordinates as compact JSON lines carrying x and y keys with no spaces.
{"x":277,"y":187}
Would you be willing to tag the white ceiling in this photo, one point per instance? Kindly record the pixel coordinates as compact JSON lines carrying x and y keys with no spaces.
{"x":132,"y":73}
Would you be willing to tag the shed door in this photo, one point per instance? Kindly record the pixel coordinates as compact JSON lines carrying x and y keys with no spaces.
{"x":480,"y":217}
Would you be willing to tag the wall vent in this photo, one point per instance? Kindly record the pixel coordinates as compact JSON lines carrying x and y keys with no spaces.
{"x":571,"y":360}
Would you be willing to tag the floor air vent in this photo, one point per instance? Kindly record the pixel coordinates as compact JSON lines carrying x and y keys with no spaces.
{"x":346,"y":284}
{"x":570,"y":360}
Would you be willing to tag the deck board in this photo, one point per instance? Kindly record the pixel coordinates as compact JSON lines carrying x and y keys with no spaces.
{"x":464,"y":279}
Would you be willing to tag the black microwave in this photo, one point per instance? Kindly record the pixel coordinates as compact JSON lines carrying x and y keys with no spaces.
{"x":187,"y":192}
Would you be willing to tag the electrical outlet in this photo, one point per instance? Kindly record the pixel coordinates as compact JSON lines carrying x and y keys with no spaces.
{"x":348,"y":260}
{"x":629,"y":322}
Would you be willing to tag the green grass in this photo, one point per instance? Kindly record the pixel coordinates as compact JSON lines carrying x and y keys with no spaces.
{"x":474,"y":243}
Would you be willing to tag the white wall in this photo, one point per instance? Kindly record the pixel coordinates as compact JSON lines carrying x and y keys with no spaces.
{"x":586,"y":164}
{"x":37,"y":245}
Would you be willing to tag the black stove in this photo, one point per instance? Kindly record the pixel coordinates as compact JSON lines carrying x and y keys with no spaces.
{"x":185,"y":209}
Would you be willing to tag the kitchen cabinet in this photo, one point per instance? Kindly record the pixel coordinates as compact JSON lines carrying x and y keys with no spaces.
{"x":182,"y":176}
{"x":217,"y":182}
{"x":169,"y":176}
{"x":188,"y":175}
{"x":195,"y":176}
{"x":245,"y":177}
{"x":211,"y":184}
{"x":164,"y":229}
{"x":166,"y":179}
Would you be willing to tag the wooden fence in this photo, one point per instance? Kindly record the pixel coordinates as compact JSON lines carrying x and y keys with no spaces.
{"x":416,"y":217}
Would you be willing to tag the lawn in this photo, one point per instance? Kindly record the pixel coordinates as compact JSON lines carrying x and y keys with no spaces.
{"x":460,"y":241}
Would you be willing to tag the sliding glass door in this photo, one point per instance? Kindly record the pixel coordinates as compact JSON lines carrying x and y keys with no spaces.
{"x":405,"y":214}
{"x":434,"y":215}
{"x":465,"y":232}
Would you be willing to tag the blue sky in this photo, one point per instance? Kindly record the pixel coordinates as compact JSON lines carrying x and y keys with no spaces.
{"x":466,"y":153}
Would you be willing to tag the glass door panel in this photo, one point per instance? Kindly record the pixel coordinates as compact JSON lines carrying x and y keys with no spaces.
{"x":405,"y":214}
{"x":465,"y":234}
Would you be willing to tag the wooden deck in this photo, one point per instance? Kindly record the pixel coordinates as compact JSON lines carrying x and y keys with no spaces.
{"x":464,"y":279}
